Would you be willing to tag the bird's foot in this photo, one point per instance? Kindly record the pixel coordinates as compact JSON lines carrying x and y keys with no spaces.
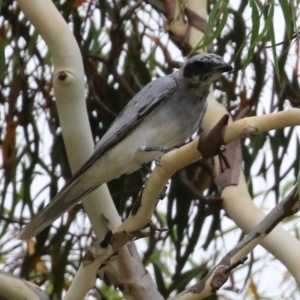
{"x":146,"y":168}
{"x":163,"y":192}
{"x":157,"y":149}
{"x":157,"y":162}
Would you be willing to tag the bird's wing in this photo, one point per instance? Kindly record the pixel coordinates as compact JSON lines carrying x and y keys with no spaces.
{"x":140,"y":106}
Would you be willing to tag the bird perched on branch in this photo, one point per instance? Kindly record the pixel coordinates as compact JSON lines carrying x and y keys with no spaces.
{"x":164,"y":114}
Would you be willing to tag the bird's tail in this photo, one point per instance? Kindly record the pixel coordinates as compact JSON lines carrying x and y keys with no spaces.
{"x":67,"y":198}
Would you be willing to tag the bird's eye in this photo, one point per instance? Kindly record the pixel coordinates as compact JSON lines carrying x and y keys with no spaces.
{"x":194,"y":68}
{"x":200,"y":64}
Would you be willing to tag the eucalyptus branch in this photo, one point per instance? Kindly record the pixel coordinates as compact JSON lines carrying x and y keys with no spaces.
{"x":179,"y":158}
{"x":12,"y":287}
{"x":187,"y":154}
{"x":69,"y":89}
{"x":219,"y":275}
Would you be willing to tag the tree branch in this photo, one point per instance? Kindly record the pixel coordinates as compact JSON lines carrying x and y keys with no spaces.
{"x":68,"y":82}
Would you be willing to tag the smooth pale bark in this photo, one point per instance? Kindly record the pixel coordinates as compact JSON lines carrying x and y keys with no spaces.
{"x":177,"y":159}
{"x":69,"y":89}
{"x":14,"y":288}
{"x":237,"y":201}
{"x":187,"y":154}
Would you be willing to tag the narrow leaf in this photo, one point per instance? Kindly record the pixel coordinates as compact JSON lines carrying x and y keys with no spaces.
{"x":287,"y":16}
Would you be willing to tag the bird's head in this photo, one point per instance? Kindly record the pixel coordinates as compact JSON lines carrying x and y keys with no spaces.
{"x":203,"y":69}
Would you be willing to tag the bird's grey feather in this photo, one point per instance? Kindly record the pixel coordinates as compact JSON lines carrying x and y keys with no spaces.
{"x":144,"y":102}
{"x":163,"y":114}
{"x":140,"y":106}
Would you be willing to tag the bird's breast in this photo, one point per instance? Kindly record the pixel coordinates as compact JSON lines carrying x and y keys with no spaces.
{"x":168,"y":126}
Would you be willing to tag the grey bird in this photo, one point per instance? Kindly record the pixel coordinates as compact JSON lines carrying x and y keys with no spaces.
{"x":164,"y":114}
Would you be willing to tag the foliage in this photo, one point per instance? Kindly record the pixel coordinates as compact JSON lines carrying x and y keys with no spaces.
{"x":124,"y":46}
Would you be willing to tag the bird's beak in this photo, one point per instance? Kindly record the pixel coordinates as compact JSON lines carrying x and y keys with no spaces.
{"x":223,"y":68}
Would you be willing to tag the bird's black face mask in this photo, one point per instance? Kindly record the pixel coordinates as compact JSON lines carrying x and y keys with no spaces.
{"x":202,"y":71}
{"x":196,"y":68}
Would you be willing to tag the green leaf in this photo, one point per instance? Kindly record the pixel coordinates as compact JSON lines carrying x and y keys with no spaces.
{"x":298,"y":184}
{"x":102,"y":6}
{"x":287,"y":188}
{"x":273,"y":41}
{"x":159,"y":280}
{"x":220,"y":8}
{"x":268,"y":23}
{"x":255,"y":17}
{"x":287,"y":16}
{"x":33,"y":42}
{"x":2,"y":61}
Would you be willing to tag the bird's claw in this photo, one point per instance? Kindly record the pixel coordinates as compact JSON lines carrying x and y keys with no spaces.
{"x":157,"y":162}
{"x":146,"y":168}
{"x":158,"y":149}
{"x":163,"y":192}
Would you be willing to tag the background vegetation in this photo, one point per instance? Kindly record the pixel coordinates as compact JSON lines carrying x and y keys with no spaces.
{"x":124,"y":45}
